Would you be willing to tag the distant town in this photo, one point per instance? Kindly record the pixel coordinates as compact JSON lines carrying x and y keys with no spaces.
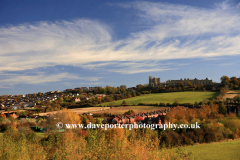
{"x":88,"y":96}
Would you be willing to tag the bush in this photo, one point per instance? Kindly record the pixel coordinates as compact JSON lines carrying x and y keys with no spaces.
{"x":3,"y":127}
{"x":222,"y":108}
{"x":124,"y":103}
{"x":162,"y":104}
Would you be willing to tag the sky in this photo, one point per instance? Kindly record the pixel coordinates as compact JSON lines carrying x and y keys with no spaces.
{"x":48,"y":45}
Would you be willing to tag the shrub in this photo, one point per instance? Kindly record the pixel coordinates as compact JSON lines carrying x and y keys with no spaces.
{"x":124,"y":103}
{"x":222,"y":108}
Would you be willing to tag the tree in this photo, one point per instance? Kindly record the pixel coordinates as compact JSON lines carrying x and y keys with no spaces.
{"x":181,"y":84}
{"x":222,"y":108}
{"x":124,"y":103}
{"x":236,"y":99}
{"x":66,"y":117}
{"x":225,"y":80}
{"x":189,"y":83}
{"x":123,"y":87}
{"x":196,"y":104}
{"x":133,"y":94}
{"x":176,"y":103}
{"x":139,"y":87}
{"x":129,"y":112}
{"x":111,"y":104}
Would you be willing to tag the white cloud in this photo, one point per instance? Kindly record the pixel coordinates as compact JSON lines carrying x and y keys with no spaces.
{"x":133,"y":71}
{"x":174,"y":32}
{"x":12,"y":79}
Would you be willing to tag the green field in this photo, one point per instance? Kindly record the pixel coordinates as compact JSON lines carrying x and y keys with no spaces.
{"x":216,"y":151}
{"x":182,"y":97}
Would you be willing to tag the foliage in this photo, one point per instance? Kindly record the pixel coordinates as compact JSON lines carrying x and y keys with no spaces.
{"x":222,"y":108}
{"x":90,"y":144}
{"x":124,"y":103}
{"x":129,"y":112}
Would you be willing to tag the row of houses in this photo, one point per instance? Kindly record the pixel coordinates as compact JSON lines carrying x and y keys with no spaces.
{"x":153,"y":117}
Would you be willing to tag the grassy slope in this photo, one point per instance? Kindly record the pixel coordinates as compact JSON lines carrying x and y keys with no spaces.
{"x":182,"y":97}
{"x":216,"y":151}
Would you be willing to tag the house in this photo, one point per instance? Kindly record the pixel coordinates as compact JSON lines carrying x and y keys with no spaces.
{"x":152,"y":120}
{"x":75,"y":94}
{"x":100,"y":95}
{"x":76,"y":99}
{"x":93,"y":88}
{"x":133,"y":89}
{"x":2,"y":105}
{"x":84,"y":88}
{"x":153,"y":117}
{"x":15,"y":107}
{"x":28,"y":104}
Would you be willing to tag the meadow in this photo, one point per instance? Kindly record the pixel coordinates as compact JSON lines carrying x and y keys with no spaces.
{"x":217,"y":151}
{"x":181,"y":97}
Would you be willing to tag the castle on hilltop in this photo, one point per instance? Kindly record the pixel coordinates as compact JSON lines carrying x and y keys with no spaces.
{"x":154,"y":82}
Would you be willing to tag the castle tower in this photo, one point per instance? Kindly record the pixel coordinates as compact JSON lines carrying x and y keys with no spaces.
{"x":150,"y":81}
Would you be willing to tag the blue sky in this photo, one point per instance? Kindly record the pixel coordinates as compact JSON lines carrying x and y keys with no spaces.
{"x":58,"y":44}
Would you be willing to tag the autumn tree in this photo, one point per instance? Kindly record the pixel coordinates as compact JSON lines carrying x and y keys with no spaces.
{"x":225,"y":80}
{"x":65,"y":116}
{"x":189,"y":83}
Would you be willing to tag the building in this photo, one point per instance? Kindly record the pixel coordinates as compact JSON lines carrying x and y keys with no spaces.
{"x":192,"y":81}
{"x":83,"y":88}
{"x":93,"y":88}
{"x":154,"y":82}
{"x":76,"y":100}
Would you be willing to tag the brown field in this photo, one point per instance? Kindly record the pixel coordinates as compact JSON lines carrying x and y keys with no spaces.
{"x":231,"y":94}
{"x":79,"y":110}
{"x":136,"y":109}
{"x":114,"y":110}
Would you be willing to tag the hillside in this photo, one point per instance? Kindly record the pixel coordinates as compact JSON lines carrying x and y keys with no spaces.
{"x":182,"y":97}
{"x":219,"y":150}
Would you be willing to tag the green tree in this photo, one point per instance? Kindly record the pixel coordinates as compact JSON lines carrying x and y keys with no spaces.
{"x":176,"y":103}
{"x":222,"y":108}
{"x":139,"y":87}
{"x":124,"y":103}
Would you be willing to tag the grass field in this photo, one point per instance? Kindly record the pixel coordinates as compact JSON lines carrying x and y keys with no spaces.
{"x":216,"y":151}
{"x":136,"y":109}
{"x":182,"y":97}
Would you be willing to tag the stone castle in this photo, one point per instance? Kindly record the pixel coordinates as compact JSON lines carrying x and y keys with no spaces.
{"x":154,"y":82}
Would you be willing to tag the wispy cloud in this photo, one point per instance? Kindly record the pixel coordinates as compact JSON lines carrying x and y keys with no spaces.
{"x":173,"y":32}
{"x":13,"y":79}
